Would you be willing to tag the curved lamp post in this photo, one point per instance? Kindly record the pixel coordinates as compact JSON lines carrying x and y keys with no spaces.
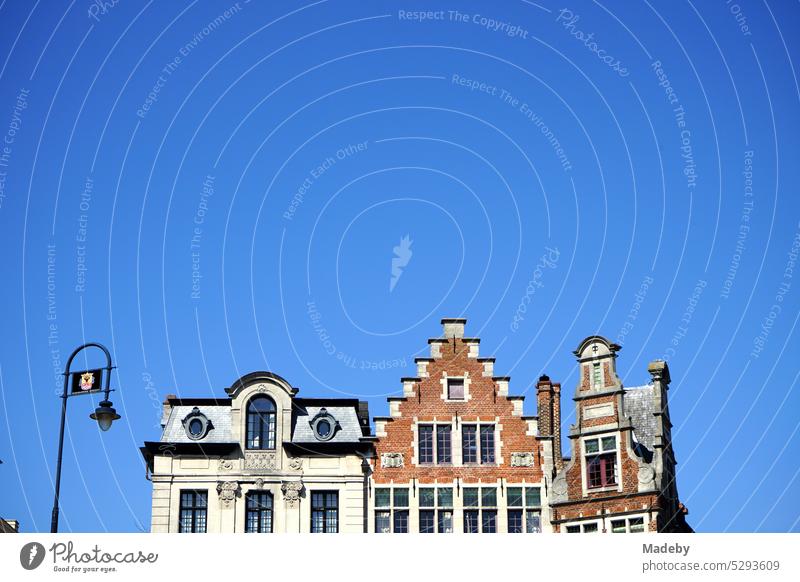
{"x":83,"y":383}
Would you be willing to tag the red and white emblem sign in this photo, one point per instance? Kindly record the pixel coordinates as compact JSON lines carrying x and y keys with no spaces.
{"x":87,"y":381}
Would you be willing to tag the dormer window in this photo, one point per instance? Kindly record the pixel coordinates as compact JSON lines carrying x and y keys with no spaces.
{"x":196,"y":424}
{"x":324,"y":425}
{"x":601,"y":462}
{"x":261,"y":424}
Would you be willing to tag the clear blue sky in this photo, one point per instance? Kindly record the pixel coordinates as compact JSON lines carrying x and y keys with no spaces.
{"x":216,"y":193}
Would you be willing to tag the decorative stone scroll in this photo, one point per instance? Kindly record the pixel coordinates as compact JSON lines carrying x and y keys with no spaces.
{"x":291,"y":491}
{"x":261,"y":460}
{"x":522,"y":460}
{"x":296,"y":464}
{"x":227,"y":492}
{"x":225,"y":465}
{"x":392,"y":460}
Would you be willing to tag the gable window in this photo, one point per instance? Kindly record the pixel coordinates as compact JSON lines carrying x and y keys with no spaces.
{"x":455,"y":389}
{"x":436,"y":510}
{"x":391,"y":510}
{"x":480,"y":509}
{"x":325,"y":512}
{"x":443,"y":453}
{"x":597,"y":378}
{"x":259,"y":512}
{"x":629,"y":525}
{"x":261,"y":423}
{"x":193,"y":512}
{"x":524,"y":513}
{"x":434,"y":444}
{"x":601,"y":462}
{"x":477,"y":442}
{"x":426,"y":443}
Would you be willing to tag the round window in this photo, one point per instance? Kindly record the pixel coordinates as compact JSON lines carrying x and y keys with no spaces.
{"x":196,"y":427}
{"x":323,"y":428}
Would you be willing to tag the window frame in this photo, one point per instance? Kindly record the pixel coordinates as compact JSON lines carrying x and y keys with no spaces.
{"x":454,"y":381}
{"x":325,"y":510}
{"x":483,"y":513}
{"x":254,"y":419}
{"x":478,"y":434}
{"x":626,"y":521}
{"x":528,"y":507}
{"x":434,"y":457}
{"x":259,"y":511}
{"x":437,"y":512}
{"x":600,"y":458}
{"x":195,"y":510}
{"x":393,"y":510}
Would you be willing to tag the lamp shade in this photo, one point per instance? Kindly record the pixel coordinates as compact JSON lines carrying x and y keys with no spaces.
{"x":105,"y":415}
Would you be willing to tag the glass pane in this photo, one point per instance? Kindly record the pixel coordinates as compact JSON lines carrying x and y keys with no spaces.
{"x":382,"y":522}
{"x":590,"y":528}
{"x":487,"y":443}
{"x":591,"y":446}
{"x":533,"y":522}
{"x":489,"y":521}
{"x":446,"y":521}
{"x":618,"y":526}
{"x":515,"y":521}
{"x":533,"y":497}
{"x":573,"y":529}
{"x":469,"y":444}
{"x":401,"y":521}
{"x":382,"y":497}
{"x":489,"y":497}
{"x":636,"y":524}
{"x":471,"y":521}
{"x":445,"y":497}
{"x":515,"y":497}
{"x":401,"y":497}
{"x":455,"y":389}
{"x":443,"y":454}
{"x":427,"y":497}
{"x":470,"y":497}
{"x":426,"y":522}
{"x":609,"y":443}
{"x":426,"y":444}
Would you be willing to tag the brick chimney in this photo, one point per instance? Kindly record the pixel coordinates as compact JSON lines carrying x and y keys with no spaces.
{"x":548,"y":401}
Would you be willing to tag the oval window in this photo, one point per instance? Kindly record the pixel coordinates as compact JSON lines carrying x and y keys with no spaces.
{"x":323,"y":428}
{"x":196,"y":427}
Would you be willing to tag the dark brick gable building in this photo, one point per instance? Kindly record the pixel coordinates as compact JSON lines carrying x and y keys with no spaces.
{"x":456,"y":452}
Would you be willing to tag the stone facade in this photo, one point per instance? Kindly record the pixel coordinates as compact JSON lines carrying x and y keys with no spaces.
{"x":220,"y":465}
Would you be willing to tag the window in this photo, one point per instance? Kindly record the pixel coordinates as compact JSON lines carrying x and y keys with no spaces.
{"x":325,"y":512}
{"x":443,"y":453}
{"x":438,"y":448}
{"x":259,"y":512}
{"x":436,"y":510}
{"x":193,"y":511}
{"x":261,"y":423}
{"x":391,"y":510}
{"x":426,"y":443}
{"x":196,"y":424}
{"x":601,"y":462}
{"x":469,"y":443}
{"x":524,"y":514}
{"x":629,"y":525}
{"x":582,"y":528}
{"x":473,"y":448}
{"x":480,"y":509}
{"x":597,"y":378}
{"x":487,"y":443}
{"x":455,"y":389}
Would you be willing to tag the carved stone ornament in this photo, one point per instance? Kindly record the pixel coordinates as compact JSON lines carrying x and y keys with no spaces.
{"x":522,"y":460}
{"x":227,"y":492}
{"x":296,"y":464}
{"x":261,"y":388}
{"x":291,"y":491}
{"x":259,"y":483}
{"x":261,"y":460}
{"x":646,"y":474}
{"x":392,"y":460}
{"x":225,"y":465}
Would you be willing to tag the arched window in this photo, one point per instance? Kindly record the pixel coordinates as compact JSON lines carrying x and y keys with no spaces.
{"x":261,"y":423}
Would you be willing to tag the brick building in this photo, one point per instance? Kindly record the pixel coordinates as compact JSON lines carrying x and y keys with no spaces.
{"x":456,"y":452}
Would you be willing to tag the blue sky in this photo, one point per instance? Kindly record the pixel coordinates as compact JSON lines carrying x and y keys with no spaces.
{"x":212,"y":188}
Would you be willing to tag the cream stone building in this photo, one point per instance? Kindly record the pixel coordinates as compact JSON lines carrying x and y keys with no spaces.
{"x":260,"y":460}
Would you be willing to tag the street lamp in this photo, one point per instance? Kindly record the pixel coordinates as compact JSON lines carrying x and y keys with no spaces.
{"x":85,"y":382}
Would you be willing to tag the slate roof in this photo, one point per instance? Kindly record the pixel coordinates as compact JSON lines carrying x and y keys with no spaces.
{"x":220,"y":417}
{"x":640,"y":404}
{"x":349,"y":430}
